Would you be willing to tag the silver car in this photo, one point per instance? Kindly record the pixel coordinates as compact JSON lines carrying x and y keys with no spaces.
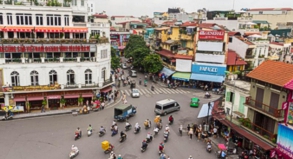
{"x":135,"y":93}
{"x":124,"y":66}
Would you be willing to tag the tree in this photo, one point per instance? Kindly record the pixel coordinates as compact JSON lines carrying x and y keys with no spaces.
{"x":115,"y":60}
{"x":152,"y":63}
{"x":138,"y":55}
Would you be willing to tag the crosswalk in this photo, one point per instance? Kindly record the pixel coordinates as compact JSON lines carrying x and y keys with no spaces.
{"x":148,"y":91}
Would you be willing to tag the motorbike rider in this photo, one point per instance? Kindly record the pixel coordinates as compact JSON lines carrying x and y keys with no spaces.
{"x":171,"y":119}
{"x":137,"y":127}
{"x":156,"y":130}
{"x":90,"y":128}
{"x":114,"y":123}
{"x":167,"y":128}
{"x":166,"y":134}
{"x":78,"y":132}
{"x":127,"y":125}
{"x":102,"y":130}
{"x":207,"y":95}
{"x":209,"y":145}
{"x":74,"y":149}
{"x":161,"y":147}
{"x":144,"y":144}
{"x":152,"y":88}
{"x":149,"y":137}
{"x":146,"y":124}
{"x":122,"y":135}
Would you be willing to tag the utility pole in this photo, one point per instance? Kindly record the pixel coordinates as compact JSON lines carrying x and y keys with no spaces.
{"x":209,"y":105}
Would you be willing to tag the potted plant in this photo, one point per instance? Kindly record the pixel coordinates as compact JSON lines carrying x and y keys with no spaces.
{"x":80,"y":101}
{"x":62,"y":102}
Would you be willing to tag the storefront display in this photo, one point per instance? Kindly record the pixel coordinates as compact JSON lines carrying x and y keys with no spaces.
{"x":208,"y":72}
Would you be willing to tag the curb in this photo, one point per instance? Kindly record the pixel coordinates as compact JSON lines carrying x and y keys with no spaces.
{"x":61,"y":113}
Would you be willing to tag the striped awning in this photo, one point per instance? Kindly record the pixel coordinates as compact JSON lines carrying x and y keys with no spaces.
{"x":75,"y":30}
{"x":49,"y":29}
{"x":18,"y":29}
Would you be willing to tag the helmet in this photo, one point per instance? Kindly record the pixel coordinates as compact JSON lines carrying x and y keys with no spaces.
{"x":72,"y":146}
{"x":90,"y":125}
{"x":119,"y":155}
{"x":77,"y":127}
{"x":143,"y":140}
{"x":101,"y":126}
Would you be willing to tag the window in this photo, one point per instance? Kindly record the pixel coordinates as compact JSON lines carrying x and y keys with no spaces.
{"x":34,"y":78}
{"x":230,"y":96}
{"x":91,"y":10}
{"x":53,"y":76}
{"x":70,"y":77}
{"x":1,"y":18}
{"x":103,"y":73}
{"x":9,"y":18}
{"x":23,"y":19}
{"x":15,"y":78}
{"x":95,"y":32}
{"x":260,"y":12}
{"x":53,"y":20}
{"x":104,"y":54}
{"x":74,"y":2}
{"x":88,"y":76}
{"x":230,"y":39}
{"x":228,"y":111}
{"x":91,"y":5}
{"x":66,"y":20}
{"x":82,"y":2}
{"x":39,"y":19}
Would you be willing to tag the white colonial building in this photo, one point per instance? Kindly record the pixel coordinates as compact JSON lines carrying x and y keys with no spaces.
{"x":49,"y":52}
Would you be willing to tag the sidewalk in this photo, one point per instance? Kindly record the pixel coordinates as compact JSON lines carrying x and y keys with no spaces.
{"x":60,"y":112}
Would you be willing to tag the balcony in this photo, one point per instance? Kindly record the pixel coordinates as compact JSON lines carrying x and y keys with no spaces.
{"x":265,"y":109}
{"x":257,"y":130}
{"x":185,"y":37}
{"x":249,"y":56}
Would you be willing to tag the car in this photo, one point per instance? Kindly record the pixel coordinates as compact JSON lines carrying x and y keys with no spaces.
{"x":132,"y":73}
{"x":124,"y":66}
{"x":135,"y":93}
{"x":194,"y":102}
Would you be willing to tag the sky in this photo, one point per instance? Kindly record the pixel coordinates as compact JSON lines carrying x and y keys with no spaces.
{"x":138,"y":8}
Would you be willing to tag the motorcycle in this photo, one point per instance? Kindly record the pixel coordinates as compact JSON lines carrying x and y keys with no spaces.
{"x":156,"y":133}
{"x":143,"y":149}
{"x":166,"y":137}
{"x":148,"y":140}
{"x":122,"y":138}
{"x":102,"y":133}
{"x":180,"y":132}
{"x":160,"y":152}
{"x":89,"y":133}
{"x":153,"y":88}
{"x":171,"y":122}
{"x":209,"y":148}
{"x":73,"y":154}
{"x":146,"y":127}
{"x":77,"y":136}
{"x":128,"y":127}
{"x":10,"y":117}
{"x":137,"y":130}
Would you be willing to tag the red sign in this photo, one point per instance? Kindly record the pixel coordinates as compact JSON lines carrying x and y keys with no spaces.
{"x":211,"y":35}
{"x":72,"y":48}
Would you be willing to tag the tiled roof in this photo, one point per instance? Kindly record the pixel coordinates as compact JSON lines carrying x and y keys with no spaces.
{"x":165,"y":53}
{"x":273,"y":72}
{"x":270,"y":9}
{"x":100,"y":15}
{"x":231,"y":59}
{"x":186,"y":57}
{"x":246,"y":41}
{"x":189,"y":24}
{"x":276,"y":43}
{"x":233,"y":33}
{"x":210,"y":25}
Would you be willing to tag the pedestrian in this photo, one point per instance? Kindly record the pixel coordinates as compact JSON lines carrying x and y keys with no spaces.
{"x":188,"y":127}
{"x":112,"y":97}
{"x":103,"y":105}
{"x":190,"y":133}
{"x":215,"y":130}
{"x":198,"y":134}
{"x":194,"y":128}
{"x":119,"y":157}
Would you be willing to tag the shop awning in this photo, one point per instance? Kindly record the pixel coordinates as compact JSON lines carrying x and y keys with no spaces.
{"x":49,"y":29}
{"x":167,"y":72}
{"x":1,"y":28}
{"x":18,"y":29}
{"x":35,"y":98}
{"x":54,"y":97}
{"x":87,"y":95}
{"x":71,"y":96}
{"x":209,"y":78}
{"x":75,"y":30}
{"x":107,"y":89}
{"x":182,"y":76}
{"x":204,"y":110}
{"x":20,"y":99}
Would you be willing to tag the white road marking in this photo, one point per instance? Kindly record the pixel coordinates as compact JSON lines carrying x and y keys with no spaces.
{"x":162,"y":90}
{"x":127,"y":92}
{"x":147,"y":91}
{"x":141,"y":90}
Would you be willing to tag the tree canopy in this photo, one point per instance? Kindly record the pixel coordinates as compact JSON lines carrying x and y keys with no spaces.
{"x":115,"y":60}
{"x":152,"y":63}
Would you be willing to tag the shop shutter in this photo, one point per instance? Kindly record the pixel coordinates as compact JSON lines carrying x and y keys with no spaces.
{"x":228,"y":96}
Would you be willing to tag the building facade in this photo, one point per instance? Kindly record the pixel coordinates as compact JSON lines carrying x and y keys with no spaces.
{"x":49,"y":54}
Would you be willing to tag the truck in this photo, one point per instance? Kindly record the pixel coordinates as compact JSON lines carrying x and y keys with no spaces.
{"x":124,"y":112}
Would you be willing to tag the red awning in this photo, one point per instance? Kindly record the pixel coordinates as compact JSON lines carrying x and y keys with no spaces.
{"x":49,"y":29}
{"x":1,"y":28}
{"x":166,"y":53}
{"x":18,"y":29}
{"x":35,"y":98}
{"x":107,"y":89}
{"x":71,"y":96}
{"x":87,"y":95}
{"x":20,"y":99}
{"x":75,"y":30}
{"x":185,"y":57}
{"x":54,"y":97}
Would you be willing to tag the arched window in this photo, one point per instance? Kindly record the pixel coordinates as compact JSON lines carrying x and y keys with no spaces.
{"x":88,"y":76}
{"x":14,"y":78}
{"x":70,"y":77}
{"x":34,"y":78}
{"x":53,"y":76}
{"x":103,"y":73}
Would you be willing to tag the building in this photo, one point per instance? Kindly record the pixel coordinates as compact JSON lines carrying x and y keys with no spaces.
{"x":272,"y":15}
{"x":91,"y":7}
{"x":119,"y":41}
{"x":270,"y":96}
{"x":235,"y":62}
{"x":117,"y":20}
{"x":280,"y":52}
{"x":49,"y":54}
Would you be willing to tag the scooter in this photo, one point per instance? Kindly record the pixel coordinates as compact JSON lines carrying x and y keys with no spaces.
{"x":10,"y":117}
{"x":146,"y":127}
{"x":128,"y":127}
{"x":101,"y":133}
{"x":122,"y":138}
{"x":137,"y":131}
{"x":148,"y":140}
{"x":143,"y":149}
{"x":114,"y":133}
{"x":89,"y":133}
{"x":109,"y":150}
{"x":153,"y":88}
{"x":77,"y":136}
{"x":166,"y":137}
{"x":160,"y":152}
{"x":171,"y":122}
{"x":73,"y":154}
{"x":156,"y":132}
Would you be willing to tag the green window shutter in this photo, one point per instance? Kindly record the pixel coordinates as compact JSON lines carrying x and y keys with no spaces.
{"x":228,"y":96}
{"x":241,"y":105}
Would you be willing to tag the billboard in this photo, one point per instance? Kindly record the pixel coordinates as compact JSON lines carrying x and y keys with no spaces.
{"x":211,"y":35}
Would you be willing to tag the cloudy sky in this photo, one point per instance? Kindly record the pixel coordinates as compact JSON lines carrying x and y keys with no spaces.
{"x":147,"y":7}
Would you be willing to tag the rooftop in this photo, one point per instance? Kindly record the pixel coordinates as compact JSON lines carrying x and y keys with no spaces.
{"x":166,"y":53}
{"x":276,"y":43}
{"x":242,"y":85}
{"x":185,"y":57}
{"x":104,"y":16}
{"x":234,"y":59}
{"x":118,"y":16}
{"x":270,"y":9}
{"x":246,"y":41}
{"x":189,"y":24}
{"x":273,"y":72}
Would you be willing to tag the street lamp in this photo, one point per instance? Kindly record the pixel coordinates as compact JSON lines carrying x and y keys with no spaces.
{"x":209,"y":107}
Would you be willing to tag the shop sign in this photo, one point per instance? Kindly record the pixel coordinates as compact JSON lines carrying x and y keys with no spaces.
{"x":211,"y":35}
{"x":114,"y":36}
{"x":208,"y":69}
{"x":60,"y":48}
{"x":31,"y":88}
{"x":284,"y":141}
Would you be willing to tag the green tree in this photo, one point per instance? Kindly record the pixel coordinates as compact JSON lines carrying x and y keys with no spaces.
{"x":152,"y":63}
{"x":115,"y":60}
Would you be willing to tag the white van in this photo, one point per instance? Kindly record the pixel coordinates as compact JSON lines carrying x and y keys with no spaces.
{"x":163,"y":107}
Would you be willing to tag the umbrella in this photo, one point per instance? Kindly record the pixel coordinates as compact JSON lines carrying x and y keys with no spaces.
{"x":254,"y":36}
{"x":222,"y":147}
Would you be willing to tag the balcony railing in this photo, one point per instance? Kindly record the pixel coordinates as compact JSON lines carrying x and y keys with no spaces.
{"x":79,"y":24}
{"x":277,"y":113}
{"x":249,"y":56}
{"x":49,"y":41}
{"x":108,"y":81}
{"x":259,"y":130}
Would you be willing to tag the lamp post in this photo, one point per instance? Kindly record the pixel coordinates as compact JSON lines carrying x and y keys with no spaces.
{"x":209,"y":107}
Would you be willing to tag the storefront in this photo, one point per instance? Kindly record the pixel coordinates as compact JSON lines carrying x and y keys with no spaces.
{"x":166,"y":72}
{"x":210,"y":74}
{"x":181,"y":78}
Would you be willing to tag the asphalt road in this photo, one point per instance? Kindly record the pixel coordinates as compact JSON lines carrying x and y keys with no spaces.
{"x":52,"y":137}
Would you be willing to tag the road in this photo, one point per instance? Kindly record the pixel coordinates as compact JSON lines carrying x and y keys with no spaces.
{"x":52,"y":137}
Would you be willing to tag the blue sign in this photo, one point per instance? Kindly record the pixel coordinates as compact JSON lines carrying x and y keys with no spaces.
{"x":208,"y":69}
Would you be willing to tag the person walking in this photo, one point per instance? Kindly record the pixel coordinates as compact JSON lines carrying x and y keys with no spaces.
{"x":190,"y":133}
{"x":188,"y":127}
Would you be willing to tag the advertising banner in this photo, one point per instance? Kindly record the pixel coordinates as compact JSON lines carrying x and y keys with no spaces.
{"x":211,"y":35}
{"x":208,"y":69}
{"x":285,"y":141}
